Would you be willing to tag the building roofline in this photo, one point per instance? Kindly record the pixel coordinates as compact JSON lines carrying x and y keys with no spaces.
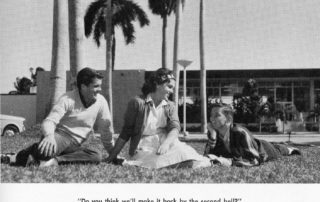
{"x":257,"y":73}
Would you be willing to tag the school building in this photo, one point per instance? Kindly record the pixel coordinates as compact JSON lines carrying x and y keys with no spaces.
{"x":298,"y":90}
{"x":299,"y":87}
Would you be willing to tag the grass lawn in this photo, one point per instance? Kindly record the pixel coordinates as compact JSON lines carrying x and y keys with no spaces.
{"x":292,"y":169}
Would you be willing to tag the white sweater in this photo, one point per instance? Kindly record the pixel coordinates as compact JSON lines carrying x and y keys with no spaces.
{"x":72,"y":118}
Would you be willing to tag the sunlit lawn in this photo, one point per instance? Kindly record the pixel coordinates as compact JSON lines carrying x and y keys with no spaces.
{"x":293,"y":169}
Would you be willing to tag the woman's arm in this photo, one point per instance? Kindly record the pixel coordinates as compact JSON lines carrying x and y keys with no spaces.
{"x":127,"y":130}
{"x":212,"y":139}
{"x":171,"y":137}
{"x":173,"y":128}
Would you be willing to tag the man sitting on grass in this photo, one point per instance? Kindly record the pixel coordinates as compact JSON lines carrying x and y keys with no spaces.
{"x":68,"y":125}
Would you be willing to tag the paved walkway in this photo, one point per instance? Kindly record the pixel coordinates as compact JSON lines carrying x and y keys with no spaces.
{"x":299,"y":138}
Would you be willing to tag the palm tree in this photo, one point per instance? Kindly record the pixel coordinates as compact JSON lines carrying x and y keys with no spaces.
{"x":176,"y":70}
{"x":124,"y":13}
{"x":163,"y":8}
{"x":59,"y":50}
{"x":109,"y":65}
{"x":76,"y":36}
{"x":203,"y":73}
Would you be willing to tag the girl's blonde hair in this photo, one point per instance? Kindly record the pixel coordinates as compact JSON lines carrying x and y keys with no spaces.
{"x":225,"y":109}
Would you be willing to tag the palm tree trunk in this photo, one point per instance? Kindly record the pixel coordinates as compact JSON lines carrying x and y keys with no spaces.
{"x":59,"y":61}
{"x":164,"y":41}
{"x":76,"y":37}
{"x":203,"y":74}
{"x":176,"y":52}
{"x":109,"y":55}
{"x":113,"y":51}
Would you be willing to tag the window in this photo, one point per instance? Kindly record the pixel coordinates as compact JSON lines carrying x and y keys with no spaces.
{"x":317,"y":92}
{"x":302,"y":98}
{"x":266,"y":91}
{"x":284,"y":94}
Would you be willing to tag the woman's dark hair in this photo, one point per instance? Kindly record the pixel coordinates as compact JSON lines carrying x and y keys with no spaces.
{"x":161,"y":76}
{"x":86,"y":76}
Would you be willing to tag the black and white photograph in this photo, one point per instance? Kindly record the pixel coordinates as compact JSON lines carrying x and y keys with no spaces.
{"x":160,"y":100}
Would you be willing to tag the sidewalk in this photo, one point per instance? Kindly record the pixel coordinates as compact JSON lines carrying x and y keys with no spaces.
{"x":298,"y":137}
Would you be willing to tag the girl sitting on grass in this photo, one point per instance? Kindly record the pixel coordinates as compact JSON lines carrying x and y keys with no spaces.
{"x":152,"y":125}
{"x":228,"y":140}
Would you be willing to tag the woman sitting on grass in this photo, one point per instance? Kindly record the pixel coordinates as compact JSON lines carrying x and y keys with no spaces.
{"x":152,"y":125}
{"x":236,"y":143}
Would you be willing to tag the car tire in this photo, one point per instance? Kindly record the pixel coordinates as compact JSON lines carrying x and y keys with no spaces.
{"x":10,"y":130}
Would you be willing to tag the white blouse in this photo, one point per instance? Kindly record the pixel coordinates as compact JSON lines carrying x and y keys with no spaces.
{"x":154,"y":132}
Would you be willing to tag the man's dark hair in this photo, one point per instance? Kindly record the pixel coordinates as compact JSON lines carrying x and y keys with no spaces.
{"x":161,"y":76}
{"x":86,"y":76}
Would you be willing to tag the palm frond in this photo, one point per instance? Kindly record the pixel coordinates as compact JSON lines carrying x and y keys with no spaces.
{"x":128,"y":31}
{"x":132,"y":11}
{"x":157,"y":7}
{"x":124,"y":13}
{"x":99,"y":29}
{"x":183,"y":3}
{"x":91,"y":16}
{"x":162,"y":7}
{"x":171,"y":6}
{"x":138,"y":14}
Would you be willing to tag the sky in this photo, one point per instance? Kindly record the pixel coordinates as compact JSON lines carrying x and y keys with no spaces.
{"x":246,"y":34}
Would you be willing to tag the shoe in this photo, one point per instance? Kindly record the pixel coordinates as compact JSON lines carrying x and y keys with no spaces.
{"x":49,"y":163}
{"x":294,"y":151}
{"x":31,"y":161}
{"x":6,"y":158}
{"x":118,"y":161}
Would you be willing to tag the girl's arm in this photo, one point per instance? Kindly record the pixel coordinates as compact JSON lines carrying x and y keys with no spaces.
{"x":173,"y":128}
{"x":171,"y":137}
{"x":212,"y":139}
{"x":127,"y":130}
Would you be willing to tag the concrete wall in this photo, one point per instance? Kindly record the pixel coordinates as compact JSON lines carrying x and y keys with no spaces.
{"x":20,"y":105}
{"x":126,"y":84}
{"x":43,"y":95}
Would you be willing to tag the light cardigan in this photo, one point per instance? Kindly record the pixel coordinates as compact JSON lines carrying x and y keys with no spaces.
{"x":72,"y":118}
{"x":136,"y":120}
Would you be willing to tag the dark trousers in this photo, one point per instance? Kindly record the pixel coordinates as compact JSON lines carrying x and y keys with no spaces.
{"x":275,"y":150}
{"x":68,"y":151}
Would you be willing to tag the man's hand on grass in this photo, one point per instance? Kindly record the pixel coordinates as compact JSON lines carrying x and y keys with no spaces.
{"x":48,"y":146}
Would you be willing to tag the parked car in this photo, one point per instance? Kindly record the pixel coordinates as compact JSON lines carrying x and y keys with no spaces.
{"x":11,"y":125}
